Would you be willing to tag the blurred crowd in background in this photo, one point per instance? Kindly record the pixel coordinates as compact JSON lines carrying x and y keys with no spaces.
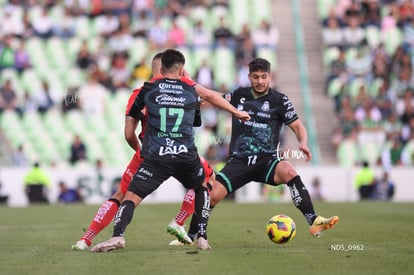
{"x":368,"y":55}
{"x":68,"y":67}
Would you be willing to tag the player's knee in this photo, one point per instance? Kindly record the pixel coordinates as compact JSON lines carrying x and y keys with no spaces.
{"x":119,"y":195}
{"x":284,"y":172}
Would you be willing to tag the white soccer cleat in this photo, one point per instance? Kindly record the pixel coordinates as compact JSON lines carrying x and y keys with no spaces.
{"x":175,"y":243}
{"x":80,"y":246}
{"x":202,"y":244}
{"x":179,"y":232}
{"x":113,"y":243}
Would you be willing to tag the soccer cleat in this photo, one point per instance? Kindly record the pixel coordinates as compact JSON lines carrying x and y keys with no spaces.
{"x":80,"y":246}
{"x":202,"y":244}
{"x":176,"y":243}
{"x":113,"y":243}
{"x":179,"y":232}
{"x":321,"y":224}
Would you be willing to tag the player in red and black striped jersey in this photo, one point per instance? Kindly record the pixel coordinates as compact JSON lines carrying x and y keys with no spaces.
{"x":168,"y":147}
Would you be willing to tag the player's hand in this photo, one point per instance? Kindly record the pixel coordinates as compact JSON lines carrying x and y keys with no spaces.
{"x":242,"y":115}
{"x":186,"y":74}
{"x":306,"y":151}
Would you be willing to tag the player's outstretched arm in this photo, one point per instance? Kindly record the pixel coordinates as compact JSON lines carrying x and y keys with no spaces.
{"x":302,"y":136}
{"x":217,"y":100}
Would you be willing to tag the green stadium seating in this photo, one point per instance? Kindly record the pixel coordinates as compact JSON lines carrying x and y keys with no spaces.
{"x":392,"y":38}
{"x":224,"y":66}
{"x":200,"y":54}
{"x":329,"y":54}
{"x":347,"y":153}
{"x":215,"y":14}
{"x":34,"y":13}
{"x":12,"y":129}
{"x":72,"y":47}
{"x":84,"y":27}
{"x":324,"y":6}
{"x":55,"y":53}
{"x":200,"y":13}
{"x":9,"y":73}
{"x":56,"y":12}
{"x":375,"y":87}
{"x":369,"y":151}
{"x":140,"y":51}
{"x":30,"y":81}
{"x":239,"y":14}
{"x":355,"y":86}
{"x":408,"y":153}
{"x":261,"y":10}
{"x":373,"y":36}
{"x":74,"y":77}
{"x":335,"y":87}
{"x":269,"y":54}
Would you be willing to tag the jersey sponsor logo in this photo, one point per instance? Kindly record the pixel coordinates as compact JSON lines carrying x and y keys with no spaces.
{"x":172,"y":149}
{"x":266,"y":106}
{"x":261,"y":114}
{"x":102,"y":211}
{"x":170,"y":86}
{"x":290,"y":114}
{"x":171,"y":135}
{"x":256,"y":124}
{"x":164,"y":99}
{"x":169,"y":142}
{"x":287,"y":102}
{"x":144,"y":171}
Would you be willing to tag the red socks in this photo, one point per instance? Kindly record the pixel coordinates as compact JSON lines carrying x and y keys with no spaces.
{"x":187,"y":207}
{"x":102,"y":219}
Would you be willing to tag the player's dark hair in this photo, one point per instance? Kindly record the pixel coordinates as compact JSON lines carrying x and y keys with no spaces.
{"x":259,"y":65}
{"x":157,"y":56}
{"x":171,"y":58}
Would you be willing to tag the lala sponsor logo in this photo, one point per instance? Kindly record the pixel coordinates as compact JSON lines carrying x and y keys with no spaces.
{"x":172,"y":149}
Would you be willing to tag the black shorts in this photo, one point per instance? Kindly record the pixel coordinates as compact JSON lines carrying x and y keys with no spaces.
{"x":240,"y":171}
{"x":152,"y":173}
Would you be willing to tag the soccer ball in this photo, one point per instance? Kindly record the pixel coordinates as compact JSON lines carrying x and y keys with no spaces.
{"x":280,"y":229}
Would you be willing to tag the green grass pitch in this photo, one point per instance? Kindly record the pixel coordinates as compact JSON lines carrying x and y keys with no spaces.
{"x":370,"y":238}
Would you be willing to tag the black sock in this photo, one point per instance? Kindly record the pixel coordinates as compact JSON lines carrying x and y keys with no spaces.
{"x":301,"y":199}
{"x":122,"y":218}
{"x":115,"y":201}
{"x":202,"y":210}
{"x":192,"y":231}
